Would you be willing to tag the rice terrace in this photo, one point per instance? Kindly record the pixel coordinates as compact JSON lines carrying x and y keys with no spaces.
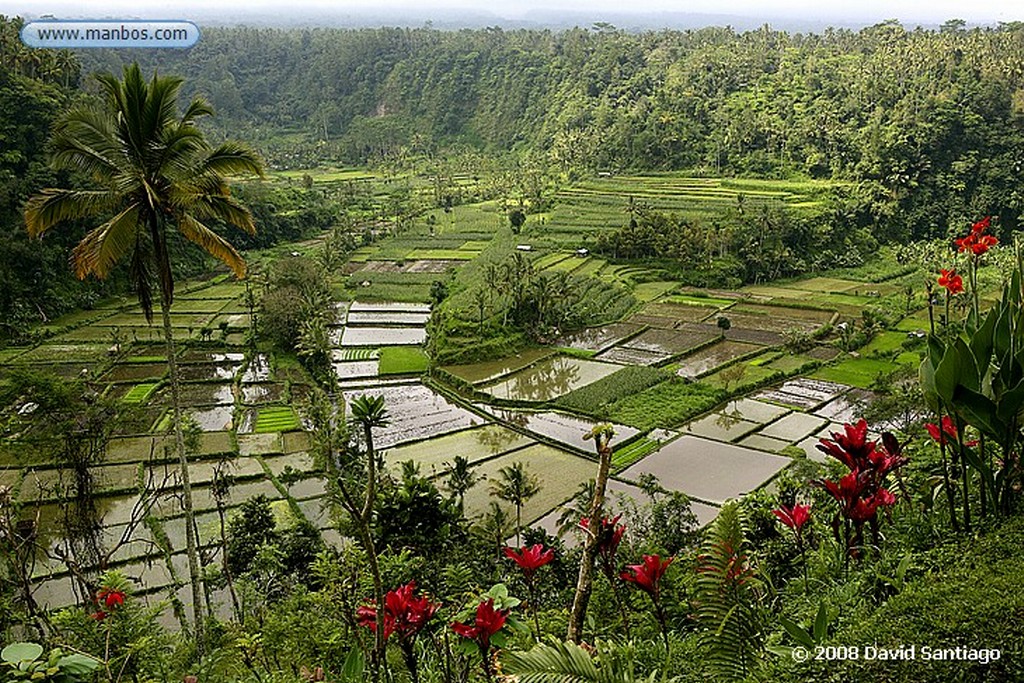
{"x":492,"y":355}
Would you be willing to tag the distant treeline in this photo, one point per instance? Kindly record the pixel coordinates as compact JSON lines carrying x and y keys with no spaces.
{"x":931,"y":119}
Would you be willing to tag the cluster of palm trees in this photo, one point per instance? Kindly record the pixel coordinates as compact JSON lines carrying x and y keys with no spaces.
{"x":538,"y":302}
{"x":53,"y":66}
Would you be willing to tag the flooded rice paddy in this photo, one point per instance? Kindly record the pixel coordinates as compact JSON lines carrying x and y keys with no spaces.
{"x":416,"y":413}
{"x":708,"y":470}
{"x":550,"y":379}
{"x":476,"y":373}
{"x":383,"y":336}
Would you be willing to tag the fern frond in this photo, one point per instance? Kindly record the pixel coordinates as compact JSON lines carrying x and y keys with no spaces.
{"x":727,"y":597}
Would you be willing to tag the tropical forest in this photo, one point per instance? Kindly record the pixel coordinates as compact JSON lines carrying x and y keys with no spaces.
{"x":514,"y":355}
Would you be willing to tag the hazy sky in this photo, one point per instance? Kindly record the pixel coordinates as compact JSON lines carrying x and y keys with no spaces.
{"x":907,"y":11}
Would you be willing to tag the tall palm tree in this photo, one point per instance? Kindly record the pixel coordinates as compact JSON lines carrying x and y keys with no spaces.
{"x":515,"y":485}
{"x":461,"y":478}
{"x":369,"y":412}
{"x":154,"y":172}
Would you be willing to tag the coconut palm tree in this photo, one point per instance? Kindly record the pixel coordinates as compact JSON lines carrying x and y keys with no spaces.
{"x":369,"y":412}
{"x":154,"y":172}
{"x":461,"y":478}
{"x":515,"y":485}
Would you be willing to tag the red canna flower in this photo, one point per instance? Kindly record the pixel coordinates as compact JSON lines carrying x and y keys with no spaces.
{"x":98,"y":615}
{"x":948,"y":433}
{"x":531,"y":558}
{"x":953,"y":283}
{"x":866,"y":508}
{"x":948,"y":430}
{"x":487,"y":623}
{"x":404,"y":613}
{"x":965,"y":243}
{"x":110,"y":597}
{"x":847,"y":491}
{"x":983,"y":244}
{"x":861,"y":492}
{"x":647,"y":576}
{"x":795,"y":517}
{"x":851,"y":447}
{"x":976,"y":241}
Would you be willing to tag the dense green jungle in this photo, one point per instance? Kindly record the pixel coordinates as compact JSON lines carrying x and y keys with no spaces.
{"x":401,"y":355}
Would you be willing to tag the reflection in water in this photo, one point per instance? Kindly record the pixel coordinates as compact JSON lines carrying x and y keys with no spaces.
{"x":728,"y":420}
{"x":496,"y":440}
{"x":550,"y":378}
{"x":258,"y":369}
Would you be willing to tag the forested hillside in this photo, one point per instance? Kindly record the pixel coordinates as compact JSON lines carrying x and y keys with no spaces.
{"x":923,"y":130}
{"x":930,"y":120}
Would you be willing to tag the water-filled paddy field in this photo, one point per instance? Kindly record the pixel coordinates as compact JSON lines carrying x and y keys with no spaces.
{"x":549,"y":379}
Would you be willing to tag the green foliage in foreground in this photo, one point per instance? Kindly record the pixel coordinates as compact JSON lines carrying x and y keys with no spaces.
{"x":969,"y":596}
{"x":26,"y":662}
{"x":665,"y":405}
{"x":564,"y":662}
{"x":594,"y":398}
{"x":398,"y":360}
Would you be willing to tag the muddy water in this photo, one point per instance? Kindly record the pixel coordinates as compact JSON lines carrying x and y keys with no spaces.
{"x":216,"y":419}
{"x":491,"y":370}
{"x":258,"y":369}
{"x":706,"y":360}
{"x":356,"y":369}
{"x":392,"y":318}
{"x":388,"y":306}
{"x":209,"y":371}
{"x":598,"y":338}
{"x":566,"y":429}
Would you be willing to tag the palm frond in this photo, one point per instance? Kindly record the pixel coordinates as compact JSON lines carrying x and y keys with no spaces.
{"x":161,"y":105}
{"x":223,"y":208}
{"x":102,"y":247}
{"x":52,"y":206}
{"x":233,"y":159}
{"x":139,"y":272}
{"x":197,"y":108}
{"x":212,"y":243}
{"x":84,"y":140}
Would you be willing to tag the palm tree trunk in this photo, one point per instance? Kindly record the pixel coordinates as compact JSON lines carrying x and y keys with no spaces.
{"x":225,"y":562}
{"x":366,"y":531}
{"x":191,"y":542}
{"x":585,"y":581}
{"x":519,"y":522}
